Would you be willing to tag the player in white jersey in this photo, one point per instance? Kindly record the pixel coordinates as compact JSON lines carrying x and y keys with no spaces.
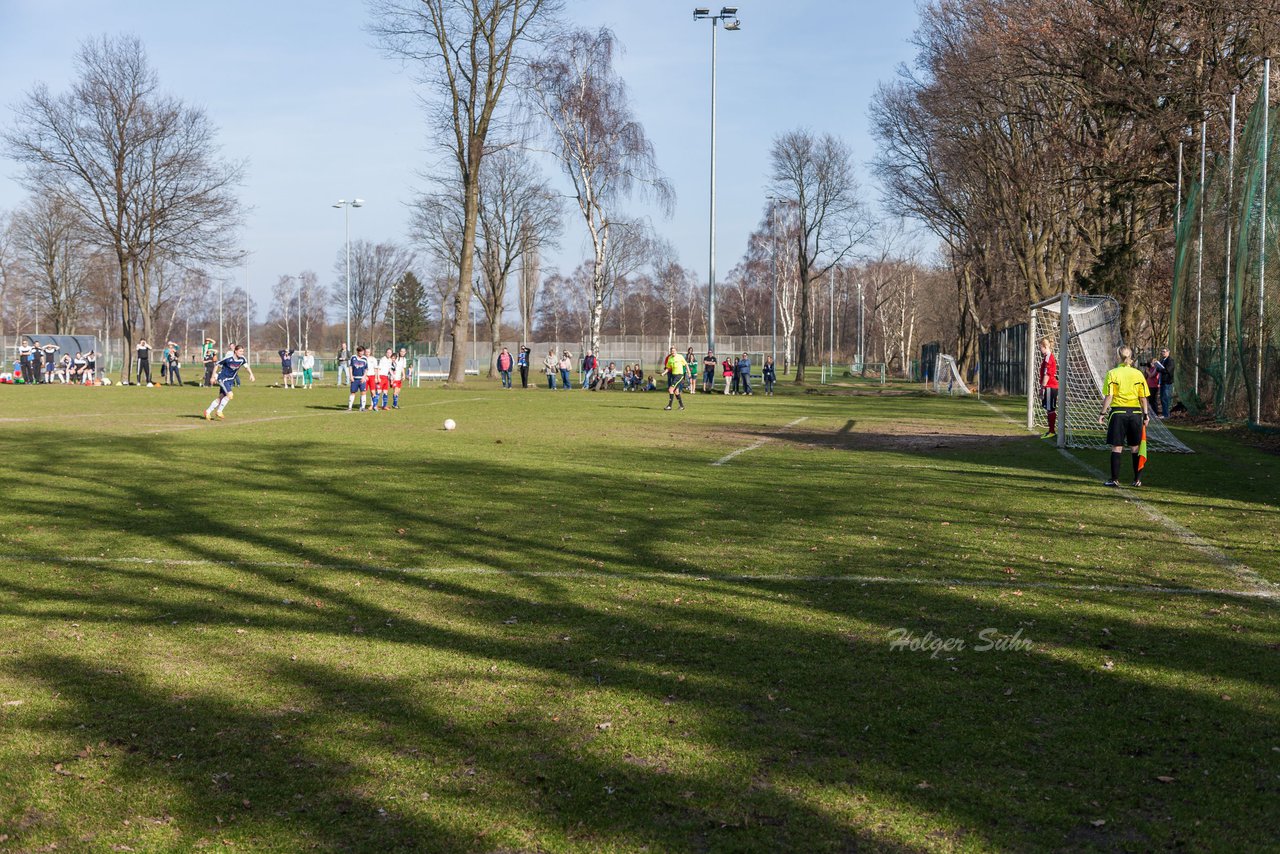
{"x":385,"y":365}
{"x":397,"y":379}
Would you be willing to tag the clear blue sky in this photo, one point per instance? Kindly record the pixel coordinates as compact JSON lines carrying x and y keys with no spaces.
{"x":300,"y":91}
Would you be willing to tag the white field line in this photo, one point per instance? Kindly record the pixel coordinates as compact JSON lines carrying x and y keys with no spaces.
{"x":1260,"y":586}
{"x":733,"y":454}
{"x":740,"y":578}
{"x":234,"y":422}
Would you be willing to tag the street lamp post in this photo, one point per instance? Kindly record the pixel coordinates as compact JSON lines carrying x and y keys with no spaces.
{"x":728,"y":14}
{"x":347,"y":206}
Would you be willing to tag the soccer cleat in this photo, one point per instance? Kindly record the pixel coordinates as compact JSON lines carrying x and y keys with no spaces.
{"x":220,"y":416}
{"x":667,"y":408}
{"x":1110,"y":483}
{"x":1137,"y":482}
{"x":1049,"y":435}
{"x":207,"y":416}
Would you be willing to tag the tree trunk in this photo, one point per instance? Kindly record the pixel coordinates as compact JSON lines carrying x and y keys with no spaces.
{"x":126,"y":321}
{"x":466,"y":264}
{"x":802,"y":354}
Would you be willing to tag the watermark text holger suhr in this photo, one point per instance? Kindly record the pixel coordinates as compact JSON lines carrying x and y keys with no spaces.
{"x":988,"y":640}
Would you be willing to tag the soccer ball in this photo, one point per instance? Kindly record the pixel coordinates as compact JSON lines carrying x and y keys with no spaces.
{"x":449,"y":424}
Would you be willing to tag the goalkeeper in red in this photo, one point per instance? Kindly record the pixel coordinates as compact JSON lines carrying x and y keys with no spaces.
{"x":1125,"y":412}
{"x":1049,"y":387}
{"x":677,"y":374}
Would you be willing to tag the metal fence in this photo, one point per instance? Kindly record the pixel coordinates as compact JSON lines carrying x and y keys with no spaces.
{"x":1002,"y":361}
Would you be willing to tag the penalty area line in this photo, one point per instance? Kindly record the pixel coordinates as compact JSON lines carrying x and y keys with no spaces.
{"x":738,"y":578}
{"x":1259,"y":585}
{"x":729,"y":456}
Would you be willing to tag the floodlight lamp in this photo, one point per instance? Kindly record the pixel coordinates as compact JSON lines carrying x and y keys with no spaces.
{"x":729,"y":11}
{"x":340,"y":203}
{"x":701,"y":12}
{"x":733,"y":25}
{"x":358,"y":203}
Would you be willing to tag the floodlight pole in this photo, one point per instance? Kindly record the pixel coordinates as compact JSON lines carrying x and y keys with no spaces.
{"x":1195,"y":378}
{"x":1221,"y":394}
{"x":346,"y":211}
{"x":1262,"y":242}
{"x":773,"y":233}
{"x":728,"y":14}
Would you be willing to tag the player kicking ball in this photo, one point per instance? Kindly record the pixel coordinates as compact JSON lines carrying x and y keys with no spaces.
{"x":227,"y":370}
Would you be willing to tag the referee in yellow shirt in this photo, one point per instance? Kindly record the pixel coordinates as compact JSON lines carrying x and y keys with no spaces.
{"x":1124,"y":411}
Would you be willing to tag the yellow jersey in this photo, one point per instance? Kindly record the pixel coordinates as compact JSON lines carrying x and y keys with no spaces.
{"x":677,"y":366}
{"x":1127,"y":386}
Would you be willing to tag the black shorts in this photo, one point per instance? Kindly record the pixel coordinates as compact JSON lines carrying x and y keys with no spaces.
{"x":1049,"y":399}
{"x":1125,"y":428}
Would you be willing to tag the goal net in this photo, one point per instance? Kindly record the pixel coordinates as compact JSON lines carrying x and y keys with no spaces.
{"x":1092,"y":337}
{"x":947,"y":378}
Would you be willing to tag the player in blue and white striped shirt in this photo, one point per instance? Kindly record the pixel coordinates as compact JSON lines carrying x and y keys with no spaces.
{"x":227,"y":370}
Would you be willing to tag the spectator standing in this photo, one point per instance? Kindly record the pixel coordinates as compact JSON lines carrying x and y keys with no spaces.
{"x":50,"y":361}
{"x":308,"y":368}
{"x":1152,"y":372}
{"x":210,"y":358}
{"x":769,"y":374}
{"x":1166,"y":382}
{"x":589,"y":365}
{"x":144,"y":362}
{"x":744,"y":372}
{"x":172,"y":357}
{"x":692,"y":362}
{"x":730,"y":381}
{"x":25,"y":350}
{"x":505,"y":363}
{"x":709,"y":364}
{"x":566,"y":367}
{"x":344,"y":367}
{"x":549,"y":367}
{"x":286,"y":368}
{"x":522,"y":362}
{"x":37,"y":363}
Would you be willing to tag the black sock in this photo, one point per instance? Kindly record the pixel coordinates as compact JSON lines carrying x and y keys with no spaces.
{"x":1135,"y":465}
{"x":670,"y":398}
{"x":1115,"y":465}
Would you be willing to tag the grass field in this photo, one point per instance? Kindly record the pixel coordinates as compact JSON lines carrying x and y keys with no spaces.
{"x":565,"y":627}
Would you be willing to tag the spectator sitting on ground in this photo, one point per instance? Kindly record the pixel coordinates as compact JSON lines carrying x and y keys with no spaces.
{"x":626,"y":378}
{"x":650,"y":385}
{"x":610,"y":375}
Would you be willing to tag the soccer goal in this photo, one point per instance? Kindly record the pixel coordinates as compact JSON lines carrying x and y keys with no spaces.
{"x":947,"y":378}
{"x":1092,"y":336}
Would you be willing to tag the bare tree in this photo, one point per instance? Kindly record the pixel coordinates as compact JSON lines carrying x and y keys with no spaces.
{"x":600,"y":144}
{"x":375,"y":269}
{"x":817,"y":175}
{"x":50,"y":240}
{"x":530,"y":280}
{"x":137,"y":167}
{"x":464,"y":51}
{"x":519,"y":215}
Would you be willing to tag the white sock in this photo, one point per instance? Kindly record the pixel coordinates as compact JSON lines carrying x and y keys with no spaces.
{"x":222,"y":404}
{"x":212,"y":406}
{"x":351,"y":398}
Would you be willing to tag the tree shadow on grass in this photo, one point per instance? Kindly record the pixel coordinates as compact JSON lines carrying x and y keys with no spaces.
{"x":830,"y":732}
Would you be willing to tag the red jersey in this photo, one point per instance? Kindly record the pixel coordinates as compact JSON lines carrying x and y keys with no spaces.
{"x":1049,"y":372}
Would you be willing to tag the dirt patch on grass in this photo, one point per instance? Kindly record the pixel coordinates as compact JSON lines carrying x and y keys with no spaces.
{"x":914,"y":437}
{"x":864,"y":392}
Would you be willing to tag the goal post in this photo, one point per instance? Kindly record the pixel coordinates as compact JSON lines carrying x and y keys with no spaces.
{"x":947,"y":378}
{"x":1084,"y":335}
